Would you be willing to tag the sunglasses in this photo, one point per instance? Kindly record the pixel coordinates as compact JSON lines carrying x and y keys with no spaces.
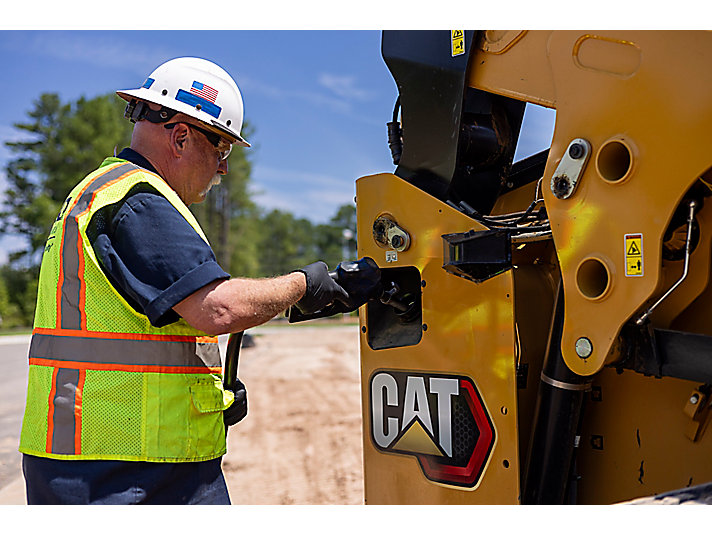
{"x":220,"y":143}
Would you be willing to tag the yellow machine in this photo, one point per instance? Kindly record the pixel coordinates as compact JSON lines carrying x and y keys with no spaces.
{"x":543,"y":333}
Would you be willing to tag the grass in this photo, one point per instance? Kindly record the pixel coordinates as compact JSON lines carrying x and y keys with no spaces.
{"x":15,"y":331}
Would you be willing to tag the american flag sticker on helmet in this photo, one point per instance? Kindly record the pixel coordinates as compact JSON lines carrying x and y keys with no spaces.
{"x":204,"y":91}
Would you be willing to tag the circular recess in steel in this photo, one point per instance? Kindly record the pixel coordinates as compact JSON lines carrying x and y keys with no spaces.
{"x":614,"y":161}
{"x":593,"y":278}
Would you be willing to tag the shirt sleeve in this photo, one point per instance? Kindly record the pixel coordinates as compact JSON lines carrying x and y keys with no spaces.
{"x":152,"y":255}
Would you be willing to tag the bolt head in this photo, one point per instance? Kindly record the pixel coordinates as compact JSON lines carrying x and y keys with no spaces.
{"x":694,"y":399}
{"x":576,"y":151}
{"x":561,"y":186}
{"x":584,"y":347}
{"x":396,"y":241}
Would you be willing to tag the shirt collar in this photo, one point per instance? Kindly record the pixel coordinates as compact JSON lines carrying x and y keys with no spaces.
{"x":134,"y":157}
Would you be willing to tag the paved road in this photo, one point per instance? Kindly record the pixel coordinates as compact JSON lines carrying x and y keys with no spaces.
{"x":13,"y":389}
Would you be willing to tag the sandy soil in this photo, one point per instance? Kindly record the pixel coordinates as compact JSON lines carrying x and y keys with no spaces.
{"x":301,"y":441}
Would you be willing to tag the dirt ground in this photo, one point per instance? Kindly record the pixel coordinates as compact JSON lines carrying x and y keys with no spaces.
{"x":301,"y":441}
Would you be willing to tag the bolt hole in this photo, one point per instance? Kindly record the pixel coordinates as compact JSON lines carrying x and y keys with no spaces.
{"x":504,"y":410}
{"x":592,"y":278}
{"x":425,"y":327}
{"x":363,"y":329}
{"x":506,"y":464}
{"x":614,"y":161}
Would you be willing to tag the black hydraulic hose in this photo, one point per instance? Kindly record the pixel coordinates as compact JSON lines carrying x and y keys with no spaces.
{"x":557,"y":416}
{"x":396,"y":109}
{"x":395,"y":135}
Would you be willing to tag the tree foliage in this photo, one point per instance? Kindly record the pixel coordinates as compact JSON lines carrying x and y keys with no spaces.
{"x":66,"y":142}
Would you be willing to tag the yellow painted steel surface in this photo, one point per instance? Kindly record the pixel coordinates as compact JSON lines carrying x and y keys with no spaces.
{"x":641,"y":99}
{"x":633,"y":441}
{"x":470,"y":332}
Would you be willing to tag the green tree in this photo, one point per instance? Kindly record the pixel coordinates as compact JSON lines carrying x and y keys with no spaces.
{"x":9,"y":314}
{"x":286,"y":243}
{"x":229,"y":217}
{"x":17,"y":304}
{"x":64,"y":143}
{"x":67,"y":141}
{"x":336,"y":241}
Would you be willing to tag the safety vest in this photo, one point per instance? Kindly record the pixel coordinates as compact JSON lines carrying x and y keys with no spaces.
{"x":103,"y":382}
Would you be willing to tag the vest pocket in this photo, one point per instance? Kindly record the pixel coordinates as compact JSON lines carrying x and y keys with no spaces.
{"x":210,"y":396}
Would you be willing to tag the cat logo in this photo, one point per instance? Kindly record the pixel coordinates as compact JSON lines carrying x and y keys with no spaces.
{"x":439,"y":419}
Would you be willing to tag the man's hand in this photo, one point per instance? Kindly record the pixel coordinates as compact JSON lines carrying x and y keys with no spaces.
{"x":238,"y":409}
{"x":322,"y":290}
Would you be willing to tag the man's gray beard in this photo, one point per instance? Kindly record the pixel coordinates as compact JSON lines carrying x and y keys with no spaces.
{"x":215,"y":181}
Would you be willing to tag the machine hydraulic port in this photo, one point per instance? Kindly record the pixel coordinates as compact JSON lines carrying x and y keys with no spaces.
{"x":403,"y":303}
{"x":394,"y":319}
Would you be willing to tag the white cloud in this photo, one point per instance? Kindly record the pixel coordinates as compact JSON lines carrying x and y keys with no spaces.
{"x":343,"y":86}
{"x":336,"y":103}
{"x":95,"y":50}
{"x":306,"y":195}
{"x":284,"y":94}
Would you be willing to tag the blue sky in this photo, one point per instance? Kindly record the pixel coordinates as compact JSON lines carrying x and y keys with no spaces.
{"x":318,"y":100}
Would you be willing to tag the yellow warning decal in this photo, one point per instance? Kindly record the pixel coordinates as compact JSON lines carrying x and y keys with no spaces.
{"x":458,"y":42}
{"x":634,"y":254}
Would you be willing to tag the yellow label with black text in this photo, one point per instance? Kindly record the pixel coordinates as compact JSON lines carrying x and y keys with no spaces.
{"x":458,"y":42}
{"x":634,"y":254}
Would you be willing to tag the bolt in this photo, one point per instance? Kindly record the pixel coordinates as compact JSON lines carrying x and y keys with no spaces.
{"x":694,"y":399}
{"x":576,"y":151}
{"x":396,"y":241}
{"x":561,"y":186}
{"x":584,"y":347}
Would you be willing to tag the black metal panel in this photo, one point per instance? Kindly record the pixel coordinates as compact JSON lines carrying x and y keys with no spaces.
{"x":457,"y":141}
{"x":431,"y":84}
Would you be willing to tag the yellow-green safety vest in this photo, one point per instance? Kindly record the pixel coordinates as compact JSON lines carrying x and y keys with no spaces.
{"x":103,"y":382}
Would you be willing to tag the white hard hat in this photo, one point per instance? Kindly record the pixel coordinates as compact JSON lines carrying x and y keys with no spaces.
{"x":193,"y":86}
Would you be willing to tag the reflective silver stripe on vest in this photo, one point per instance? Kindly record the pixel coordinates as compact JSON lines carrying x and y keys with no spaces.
{"x":71,"y":284}
{"x":63,"y":419}
{"x":125,"y":351}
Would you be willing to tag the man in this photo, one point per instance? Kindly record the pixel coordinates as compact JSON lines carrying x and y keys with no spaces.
{"x":125,"y":402}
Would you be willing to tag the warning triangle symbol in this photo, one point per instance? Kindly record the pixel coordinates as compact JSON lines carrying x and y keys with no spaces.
{"x":416,"y":439}
{"x":633,"y":250}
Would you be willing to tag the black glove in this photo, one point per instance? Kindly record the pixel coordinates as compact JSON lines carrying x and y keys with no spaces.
{"x":322,"y":290}
{"x":238,"y":409}
{"x":362,"y":281}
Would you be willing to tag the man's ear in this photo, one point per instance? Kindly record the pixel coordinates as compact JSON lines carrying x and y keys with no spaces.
{"x":179,"y":139}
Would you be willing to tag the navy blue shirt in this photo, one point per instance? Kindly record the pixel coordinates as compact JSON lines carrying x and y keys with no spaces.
{"x":149,"y":252}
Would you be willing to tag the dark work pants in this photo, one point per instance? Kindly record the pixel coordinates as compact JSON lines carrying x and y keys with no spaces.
{"x":51,"y":481}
